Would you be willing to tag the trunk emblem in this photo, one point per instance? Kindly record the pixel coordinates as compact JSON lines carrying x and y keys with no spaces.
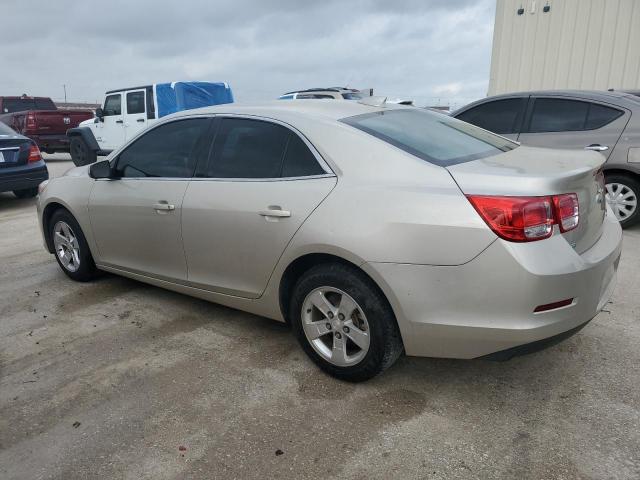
{"x":66,"y":120}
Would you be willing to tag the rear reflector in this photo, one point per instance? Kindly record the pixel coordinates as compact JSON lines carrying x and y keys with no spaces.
{"x":553,"y":306}
{"x":34,"y":154}
{"x":526,"y":219}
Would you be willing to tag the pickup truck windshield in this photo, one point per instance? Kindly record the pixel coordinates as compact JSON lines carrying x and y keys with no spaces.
{"x":434,"y":137}
{"x":10,"y":105}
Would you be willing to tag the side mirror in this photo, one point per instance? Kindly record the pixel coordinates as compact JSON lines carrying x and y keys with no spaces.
{"x":101,"y":170}
{"x":100,"y":113}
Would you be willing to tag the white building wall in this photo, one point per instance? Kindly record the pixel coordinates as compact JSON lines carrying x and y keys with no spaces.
{"x":578,"y":44}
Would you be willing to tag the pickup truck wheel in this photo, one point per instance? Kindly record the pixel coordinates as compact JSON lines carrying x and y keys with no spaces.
{"x":26,"y":193}
{"x":81,"y":154}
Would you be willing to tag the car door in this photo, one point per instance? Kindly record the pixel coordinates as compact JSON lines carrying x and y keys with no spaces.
{"x":502,"y":116}
{"x":262,"y":181}
{"x":136,"y":218}
{"x":561,"y":122}
{"x":135,"y":119}
{"x":110,"y":129}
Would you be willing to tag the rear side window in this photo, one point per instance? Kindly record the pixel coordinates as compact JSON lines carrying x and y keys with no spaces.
{"x":562,"y":115}
{"x":256,"y":149}
{"x":433,"y":137}
{"x":298,"y":159}
{"x":167,"y":151}
{"x":499,"y":116}
{"x":599,"y":116}
{"x":112,"y":105}
{"x":135,"y":102}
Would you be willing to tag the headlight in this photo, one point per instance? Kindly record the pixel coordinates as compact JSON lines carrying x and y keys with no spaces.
{"x":42,"y":186}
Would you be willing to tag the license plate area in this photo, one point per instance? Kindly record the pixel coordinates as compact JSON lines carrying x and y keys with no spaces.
{"x":9,"y":156}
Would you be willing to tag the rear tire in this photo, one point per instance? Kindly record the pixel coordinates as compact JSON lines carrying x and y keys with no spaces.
{"x":26,"y":193}
{"x":623,"y":194}
{"x":81,"y":154}
{"x":71,"y":248}
{"x":355,"y":309}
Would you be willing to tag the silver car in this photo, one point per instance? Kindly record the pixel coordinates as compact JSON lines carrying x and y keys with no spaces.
{"x":372,"y":230}
{"x":607,"y":122}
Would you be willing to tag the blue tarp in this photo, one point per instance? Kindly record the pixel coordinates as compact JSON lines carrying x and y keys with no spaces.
{"x":178,"y":96}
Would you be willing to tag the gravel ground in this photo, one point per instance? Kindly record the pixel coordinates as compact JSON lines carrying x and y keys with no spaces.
{"x":120,"y":380}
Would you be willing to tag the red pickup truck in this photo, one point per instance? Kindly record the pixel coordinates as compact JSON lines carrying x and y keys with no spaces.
{"x":39,"y":119}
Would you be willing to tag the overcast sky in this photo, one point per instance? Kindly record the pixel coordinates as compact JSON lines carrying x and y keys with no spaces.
{"x":434,"y":51}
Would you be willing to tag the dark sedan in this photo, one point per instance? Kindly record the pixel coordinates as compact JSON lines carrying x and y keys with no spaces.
{"x":22,"y":168}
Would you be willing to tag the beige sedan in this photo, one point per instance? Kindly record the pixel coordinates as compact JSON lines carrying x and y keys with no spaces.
{"x":371,"y":229}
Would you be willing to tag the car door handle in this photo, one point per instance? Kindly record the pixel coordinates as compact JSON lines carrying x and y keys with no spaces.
{"x":140,"y":120}
{"x":119,"y":121}
{"x":596,"y":147}
{"x":275,"y":212}
{"x":164,"y":207}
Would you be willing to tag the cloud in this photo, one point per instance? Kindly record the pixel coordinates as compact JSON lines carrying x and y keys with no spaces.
{"x":410,"y":49}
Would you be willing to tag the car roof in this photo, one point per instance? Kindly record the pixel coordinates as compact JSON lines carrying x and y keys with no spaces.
{"x":319,"y":109}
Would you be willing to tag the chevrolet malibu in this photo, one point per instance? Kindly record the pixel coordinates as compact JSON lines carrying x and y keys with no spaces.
{"x":371,"y":229}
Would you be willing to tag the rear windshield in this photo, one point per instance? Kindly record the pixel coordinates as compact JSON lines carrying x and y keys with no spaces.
{"x":10,"y":105}
{"x":4,"y":130}
{"x":433,"y":137}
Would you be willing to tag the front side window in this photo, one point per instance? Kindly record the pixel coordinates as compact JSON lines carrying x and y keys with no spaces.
{"x":352,"y":96}
{"x":167,"y":151}
{"x":112,"y":105}
{"x":436,"y":138}
{"x":254,"y":149}
{"x":135,"y":102}
{"x":286,"y":97}
{"x":499,"y":116}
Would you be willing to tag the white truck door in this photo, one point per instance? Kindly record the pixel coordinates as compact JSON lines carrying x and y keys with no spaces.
{"x":110,"y":131}
{"x":135,"y":118}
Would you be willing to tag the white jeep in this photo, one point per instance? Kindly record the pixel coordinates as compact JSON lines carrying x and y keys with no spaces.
{"x":127,"y":111}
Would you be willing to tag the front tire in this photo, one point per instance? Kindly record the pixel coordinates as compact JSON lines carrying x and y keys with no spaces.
{"x":26,"y":193}
{"x":344,"y":323}
{"x":70,"y":247}
{"x":81,"y":154}
{"x":623,"y":192}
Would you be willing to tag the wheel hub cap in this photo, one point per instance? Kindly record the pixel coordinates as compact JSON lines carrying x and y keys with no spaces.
{"x":622,"y":200}
{"x":335,"y":326}
{"x":66,"y":246}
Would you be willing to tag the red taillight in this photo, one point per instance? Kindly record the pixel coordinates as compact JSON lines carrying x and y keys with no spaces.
{"x":567,"y":211}
{"x":34,"y":154}
{"x":526,"y":219}
{"x":31,"y":120}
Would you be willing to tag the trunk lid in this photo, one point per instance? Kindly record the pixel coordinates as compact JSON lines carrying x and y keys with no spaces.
{"x":14,"y":152}
{"x":528,"y":171}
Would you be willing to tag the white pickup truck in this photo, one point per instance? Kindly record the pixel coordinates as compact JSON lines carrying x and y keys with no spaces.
{"x":127,"y":111}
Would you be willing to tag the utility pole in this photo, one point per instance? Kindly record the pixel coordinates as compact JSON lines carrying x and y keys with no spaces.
{"x":65,"y":92}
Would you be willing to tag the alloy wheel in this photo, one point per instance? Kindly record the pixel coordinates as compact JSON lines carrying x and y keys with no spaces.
{"x":66,"y":246}
{"x":335,"y":326}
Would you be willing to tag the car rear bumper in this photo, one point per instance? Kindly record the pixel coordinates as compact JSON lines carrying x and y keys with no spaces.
{"x":487,"y":305}
{"x":21,"y":178}
{"x":51,"y":142}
